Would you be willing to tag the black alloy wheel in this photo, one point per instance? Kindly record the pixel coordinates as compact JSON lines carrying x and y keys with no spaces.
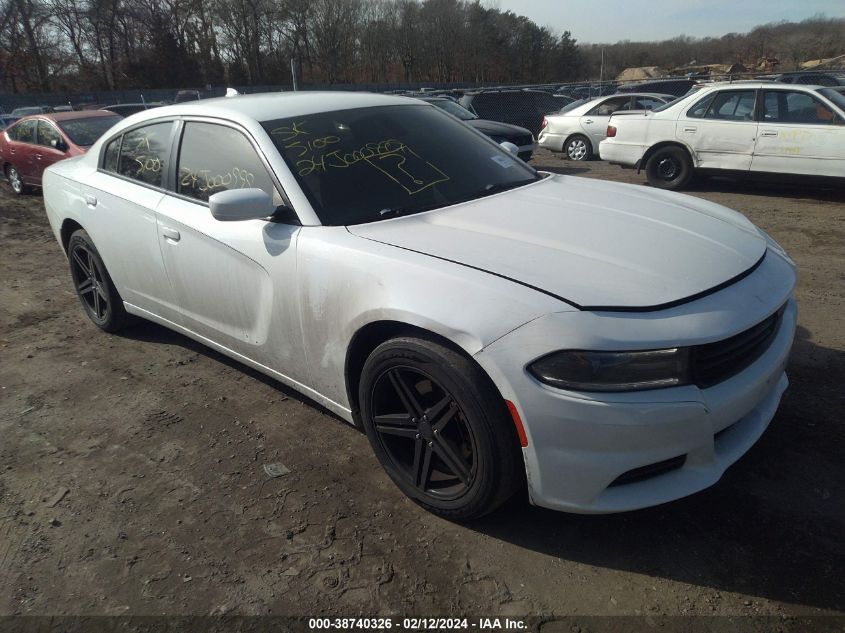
{"x":439,"y":427}
{"x":424,"y":432}
{"x":669,"y":168}
{"x":93,"y":285}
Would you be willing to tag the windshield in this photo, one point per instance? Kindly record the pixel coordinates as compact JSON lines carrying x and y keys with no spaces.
{"x":834,"y":95}
{"x":369,"y":164}
{"x":84,"y":132}
{"x":669,"y":104}
{"x":454,"y":109}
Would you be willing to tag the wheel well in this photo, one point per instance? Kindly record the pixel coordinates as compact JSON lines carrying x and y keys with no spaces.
{"x":654,"y":148}
{"x":68,"y":229}
{"x":370,"y":337}
{"x":573,"y":135}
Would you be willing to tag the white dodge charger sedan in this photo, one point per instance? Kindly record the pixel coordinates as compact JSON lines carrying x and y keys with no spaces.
{"x":490,"y":327}
{"x":746,"y":129}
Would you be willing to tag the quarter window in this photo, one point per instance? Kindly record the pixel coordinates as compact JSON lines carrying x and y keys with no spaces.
{"x":47,"y":135}
{"x":145,"y":152}
{"x":111,"y":155}
{"x":700,"y":109}
{"x":216,"y":158}
{"x":785,"y":106}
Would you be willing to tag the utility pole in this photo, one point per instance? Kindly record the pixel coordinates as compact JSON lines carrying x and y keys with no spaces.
{"x":293,"y":73}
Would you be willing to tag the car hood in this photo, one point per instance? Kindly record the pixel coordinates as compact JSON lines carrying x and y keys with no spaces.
{"x":505,"y":130}
{"x":595,"y":244}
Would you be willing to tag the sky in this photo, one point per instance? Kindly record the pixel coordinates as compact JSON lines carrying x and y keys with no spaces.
{"x":608,"y":21}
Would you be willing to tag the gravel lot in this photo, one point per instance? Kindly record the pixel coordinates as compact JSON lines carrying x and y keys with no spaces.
{"x":132,"y":481}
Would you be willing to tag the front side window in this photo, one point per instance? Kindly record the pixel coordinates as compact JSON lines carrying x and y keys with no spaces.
{"x":732,"y":105}
{"x":47,"y":135}
{"x":368,"y":164}
{"x":145,"y":152}
{"x":215,"y":158}
{"x":23,"y":132}
{"x":783,"y":106}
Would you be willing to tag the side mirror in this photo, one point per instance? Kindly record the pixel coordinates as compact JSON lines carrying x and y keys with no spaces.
{"x":58,"y":144}
{"x":241,"y":204}
{"x":509,"y":147}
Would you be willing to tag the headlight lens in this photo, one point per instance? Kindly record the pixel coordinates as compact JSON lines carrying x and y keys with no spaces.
{"x":614,"y":371}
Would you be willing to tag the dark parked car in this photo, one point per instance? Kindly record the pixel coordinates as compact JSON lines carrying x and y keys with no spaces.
{"x":28,"y":110}
{"x":34,"y":143}
{"x":187,"y":95}
{"x":812,"y":78}
{"x":676,"y":87}
{"x":125,"y":109}
{"x":525,"y":108}
{"x":6,"y":120}
{"x":499,"y":132}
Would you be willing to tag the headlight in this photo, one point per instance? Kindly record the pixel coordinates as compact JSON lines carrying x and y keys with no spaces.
{"x":614,"y":371}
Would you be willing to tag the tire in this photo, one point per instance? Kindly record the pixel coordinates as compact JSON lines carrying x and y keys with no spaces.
{"x":13,"y":176}
{"x":578,"y":147}
{"x":93,"y":284}
{"x":460,"y":459}
{"x":669,"y":168}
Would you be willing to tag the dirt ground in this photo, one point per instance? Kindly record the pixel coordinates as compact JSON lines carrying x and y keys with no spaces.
{"x":132,"y":481}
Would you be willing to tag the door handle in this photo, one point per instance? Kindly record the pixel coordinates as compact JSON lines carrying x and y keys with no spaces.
{"x":90,"y":200}
{"x":690,"y":129}
{"x":769,"y":133}
{"x":171,"y":234}
{"x":38,"y":157}
{"x":588,"y":121}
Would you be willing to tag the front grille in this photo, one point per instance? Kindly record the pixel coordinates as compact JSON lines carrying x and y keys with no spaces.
{"x":714,"y":362}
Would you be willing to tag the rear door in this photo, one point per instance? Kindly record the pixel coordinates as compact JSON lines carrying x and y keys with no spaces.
{"x":799,"y":134}
{"x":124,"y":193}
{"x":594,"y":123}
{"x":721,"y":129}
{"x":230,"y":278}
{"x":21,"y":148}
{"x":49,"y":148}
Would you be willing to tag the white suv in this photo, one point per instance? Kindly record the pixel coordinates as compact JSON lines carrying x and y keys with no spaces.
{"x":740,"y":128}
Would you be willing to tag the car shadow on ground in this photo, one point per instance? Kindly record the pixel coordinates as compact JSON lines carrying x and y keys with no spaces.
{"x":772,"y":527}
{"x":149,"y":332}
{"x":766,"y":188}
{"x":564,"y":170}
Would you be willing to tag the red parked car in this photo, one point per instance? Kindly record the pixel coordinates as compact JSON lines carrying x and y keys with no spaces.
{"x":35,"y":142}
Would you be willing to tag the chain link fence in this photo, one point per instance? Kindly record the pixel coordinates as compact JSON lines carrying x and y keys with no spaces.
{"x":522,"y":105}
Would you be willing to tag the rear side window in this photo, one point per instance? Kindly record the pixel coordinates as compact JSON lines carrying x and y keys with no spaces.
{"x":23,"y":131}
{"x":732,"y":105}
{"x":145,"y":152}
{"x":606,"y":108}
{"x":700,"y":109}
{"x":216,"y":158}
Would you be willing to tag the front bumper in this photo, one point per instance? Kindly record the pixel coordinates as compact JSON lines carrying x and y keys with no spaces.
{"x":525,"y":152}
{"x":579,"y":443}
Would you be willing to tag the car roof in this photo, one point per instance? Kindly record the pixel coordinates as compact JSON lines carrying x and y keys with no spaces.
{"x":757,"y":83}
{"x":69,"y":116}
{"x":277,"y":105}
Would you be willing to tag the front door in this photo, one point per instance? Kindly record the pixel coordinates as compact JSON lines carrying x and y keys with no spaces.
{"x":21,"y":148}
{"x":721,"y":130}
{"x":231,"y":279}
{"x":799,"y":134}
